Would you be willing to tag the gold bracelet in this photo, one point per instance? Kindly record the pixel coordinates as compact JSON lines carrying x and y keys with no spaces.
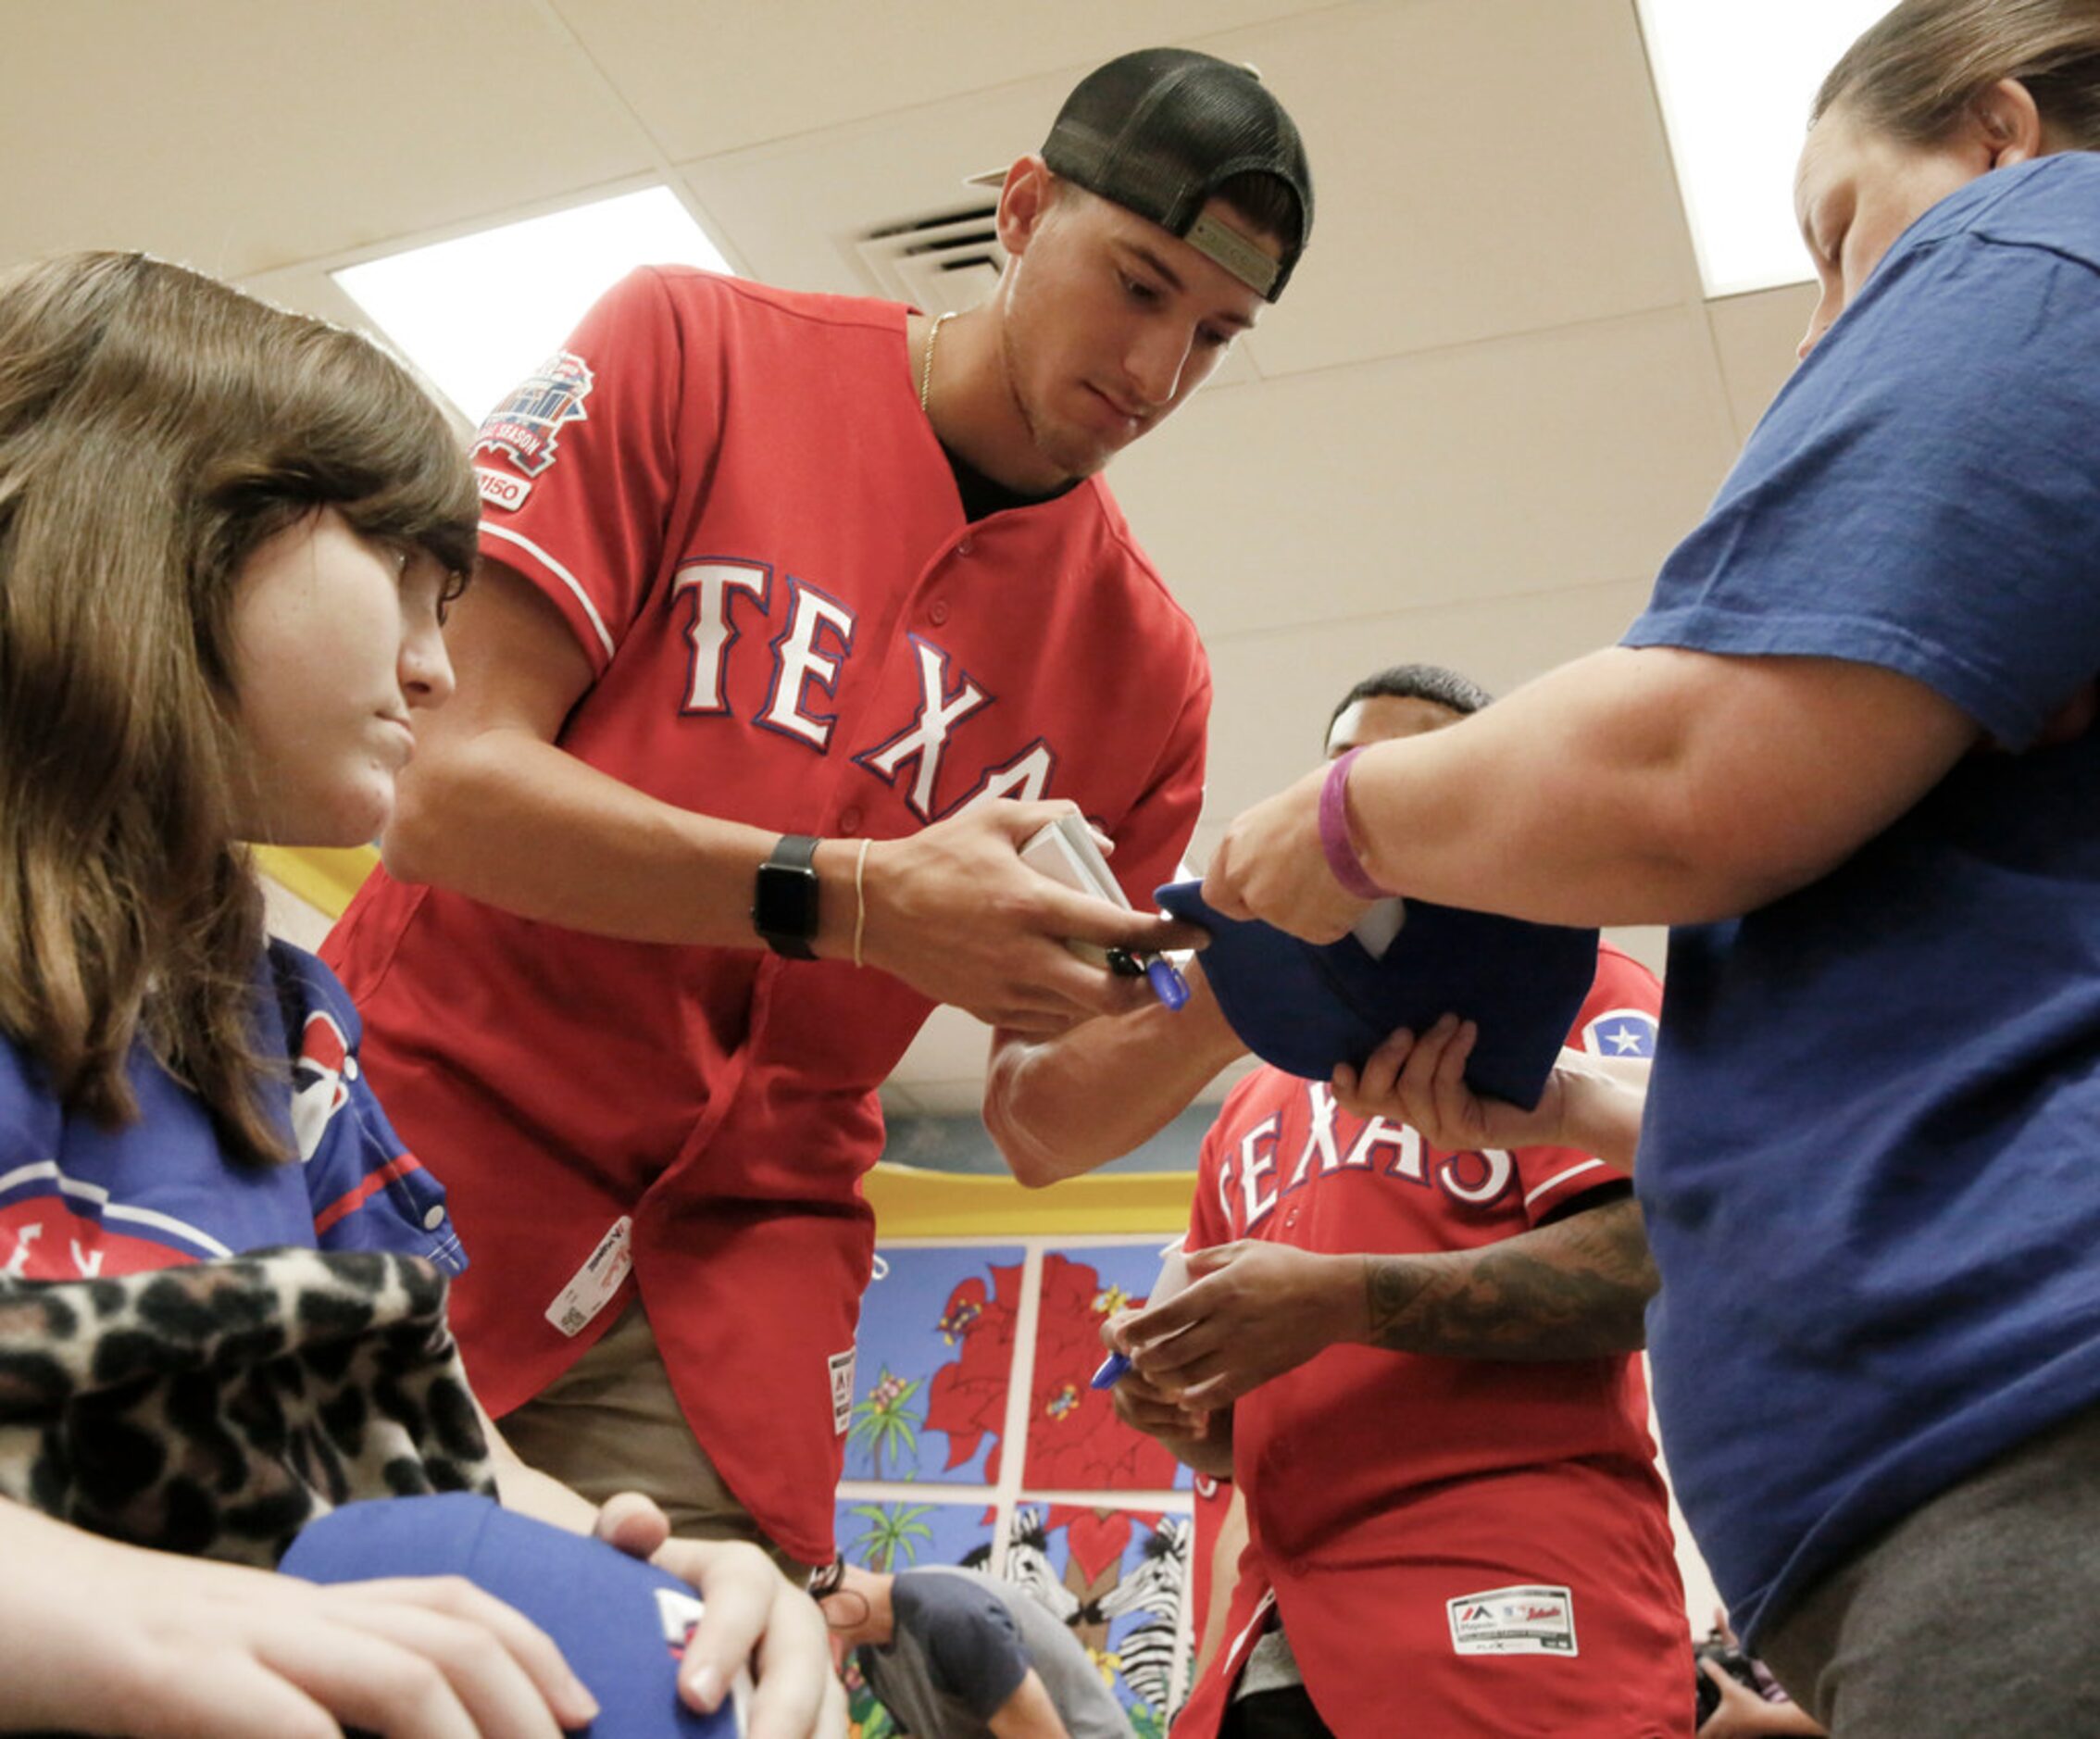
{"x":859,"y":899}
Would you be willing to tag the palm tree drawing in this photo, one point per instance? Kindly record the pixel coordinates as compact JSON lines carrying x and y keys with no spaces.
{"x":892,"y":1531}
{"x":887,"y":1420}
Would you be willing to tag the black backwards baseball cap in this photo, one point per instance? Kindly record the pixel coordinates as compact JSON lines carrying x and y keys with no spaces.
{"x":1159,"y":130}
{"x":1305,"y":1006}
{"x":620,"y":1623}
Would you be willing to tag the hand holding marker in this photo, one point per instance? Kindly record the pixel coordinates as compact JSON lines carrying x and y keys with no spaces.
{"x":1173,"y":1276}
{"x":1065,"y":851}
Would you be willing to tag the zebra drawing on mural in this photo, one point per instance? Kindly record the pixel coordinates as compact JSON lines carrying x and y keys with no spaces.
{"x":1143,"y":1655}
{"x":1028,"y":1562}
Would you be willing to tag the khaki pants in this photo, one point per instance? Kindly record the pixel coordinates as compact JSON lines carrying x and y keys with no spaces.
{"x":610,"y":1423}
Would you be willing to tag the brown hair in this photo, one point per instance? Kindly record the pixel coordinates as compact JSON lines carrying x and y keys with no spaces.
{"x":1913,"y":73}
{"x":155,"y":428}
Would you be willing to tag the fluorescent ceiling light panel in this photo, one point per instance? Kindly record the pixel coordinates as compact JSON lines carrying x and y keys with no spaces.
{"x":1736,"y":78}
{"x":477,"y":313}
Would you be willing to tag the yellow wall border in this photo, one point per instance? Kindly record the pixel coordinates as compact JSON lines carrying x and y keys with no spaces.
{"x":911,"y":1202}
{"x":325,"y":880}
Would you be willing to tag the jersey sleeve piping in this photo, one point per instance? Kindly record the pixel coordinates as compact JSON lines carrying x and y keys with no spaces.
{"x":1561,"y":1179}
{"x":604,"y":652}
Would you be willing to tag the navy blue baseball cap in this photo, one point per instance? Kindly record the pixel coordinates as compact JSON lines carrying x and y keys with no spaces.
{"x":620,"y":1623}
{"x":1305,"y":1006}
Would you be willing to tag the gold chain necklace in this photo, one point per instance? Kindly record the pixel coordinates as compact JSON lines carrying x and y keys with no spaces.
{"x":926,"y":363}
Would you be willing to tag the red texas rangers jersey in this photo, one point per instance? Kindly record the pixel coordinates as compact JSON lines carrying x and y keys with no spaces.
{"x":733,"y":498}
{"x":1436,"y":1531}
{"x":79,"y":1200}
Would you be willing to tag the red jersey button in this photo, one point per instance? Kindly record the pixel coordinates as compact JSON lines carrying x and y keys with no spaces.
{"x":849,"y":820}
{"x":937,"y":611}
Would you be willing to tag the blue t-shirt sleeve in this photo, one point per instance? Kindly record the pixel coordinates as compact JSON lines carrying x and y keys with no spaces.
{"x":369,"y":1192}
{"x":971,"y":1643}
{"x":1925,"y":494}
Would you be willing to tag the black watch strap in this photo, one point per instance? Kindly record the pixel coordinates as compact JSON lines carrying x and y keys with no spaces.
{"x":783,"y":901}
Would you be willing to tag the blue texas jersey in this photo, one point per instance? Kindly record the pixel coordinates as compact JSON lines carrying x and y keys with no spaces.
{"x":79,"y":1199}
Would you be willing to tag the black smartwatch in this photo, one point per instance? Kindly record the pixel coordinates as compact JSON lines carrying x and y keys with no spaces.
{"x":783,"y":901}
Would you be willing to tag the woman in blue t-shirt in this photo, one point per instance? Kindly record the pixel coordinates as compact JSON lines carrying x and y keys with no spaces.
{"x":227,"y":538}
{"x":1849,"y":751}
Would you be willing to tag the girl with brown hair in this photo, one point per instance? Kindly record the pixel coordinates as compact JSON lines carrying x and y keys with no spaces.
{"x":227,"y":538}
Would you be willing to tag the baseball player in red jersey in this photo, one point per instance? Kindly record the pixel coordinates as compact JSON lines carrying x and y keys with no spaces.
{"x":1409,"y":1339}
{"x":779,"y":592}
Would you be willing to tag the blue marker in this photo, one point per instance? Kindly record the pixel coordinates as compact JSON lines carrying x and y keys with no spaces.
{"x":1114,"y":1366}
{"x":1172,"y":990}
{"x":1157,"y":970}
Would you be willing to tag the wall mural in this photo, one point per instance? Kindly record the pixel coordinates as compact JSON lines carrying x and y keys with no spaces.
{"x":945,"y":1466}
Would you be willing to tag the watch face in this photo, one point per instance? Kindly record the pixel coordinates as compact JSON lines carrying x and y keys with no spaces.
{"x":783,"y":906}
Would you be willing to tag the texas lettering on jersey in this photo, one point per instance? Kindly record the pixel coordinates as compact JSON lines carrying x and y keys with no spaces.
{"x":1262,"y":1171}
{"x":807,"y":656}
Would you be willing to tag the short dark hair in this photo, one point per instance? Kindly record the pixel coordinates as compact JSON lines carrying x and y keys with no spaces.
{"x":1432,"y":682}
{"x":1267,"y":204}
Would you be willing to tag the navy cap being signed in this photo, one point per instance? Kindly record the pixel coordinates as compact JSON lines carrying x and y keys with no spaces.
{"x":621,"y":1624}
{"x":1305,"y":1007}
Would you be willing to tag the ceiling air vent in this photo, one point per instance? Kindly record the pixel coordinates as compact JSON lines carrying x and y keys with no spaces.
{"x":946,"y":261}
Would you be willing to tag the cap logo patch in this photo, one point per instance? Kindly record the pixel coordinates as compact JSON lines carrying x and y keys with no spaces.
{"x":1224,"y":245}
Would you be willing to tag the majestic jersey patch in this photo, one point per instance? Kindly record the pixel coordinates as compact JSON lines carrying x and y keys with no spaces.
{"x":1531,"y":1619}
{"x":591,"y":1288}
{"x":527,"y":425}
{"x":1620,"y":1032}
{"x":840,"y":1366}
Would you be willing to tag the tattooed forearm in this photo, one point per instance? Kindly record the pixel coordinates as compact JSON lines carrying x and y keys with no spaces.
{"x":1576,"y":1289}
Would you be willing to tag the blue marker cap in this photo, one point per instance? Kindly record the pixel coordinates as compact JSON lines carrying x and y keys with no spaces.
{"x":1116,"y":1364}
{"x":1168,"y":984}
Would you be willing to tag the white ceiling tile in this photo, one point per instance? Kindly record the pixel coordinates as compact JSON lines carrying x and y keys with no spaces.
{"x":241,"y":135}
{"x":1481,"y":167}
{"x":1756,"y":337}
{"x":1559,"y":459}
{"x":718,"y":75}
{"x":1276,"y":687}
{"x":792,"y":210}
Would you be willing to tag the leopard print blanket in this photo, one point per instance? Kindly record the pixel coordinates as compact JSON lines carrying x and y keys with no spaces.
{"x":215,"y":1409}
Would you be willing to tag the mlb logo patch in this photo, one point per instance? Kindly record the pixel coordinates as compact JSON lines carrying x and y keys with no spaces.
{"x":1620,"y":1032}
{"x":1532,"y":1620}
{"x":324,"y":1065}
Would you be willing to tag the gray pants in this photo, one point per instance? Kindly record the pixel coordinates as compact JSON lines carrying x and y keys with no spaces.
{"x":1974,"y":1618}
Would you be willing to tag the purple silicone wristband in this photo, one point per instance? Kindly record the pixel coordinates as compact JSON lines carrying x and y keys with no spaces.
{"x":1334,"y":841}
